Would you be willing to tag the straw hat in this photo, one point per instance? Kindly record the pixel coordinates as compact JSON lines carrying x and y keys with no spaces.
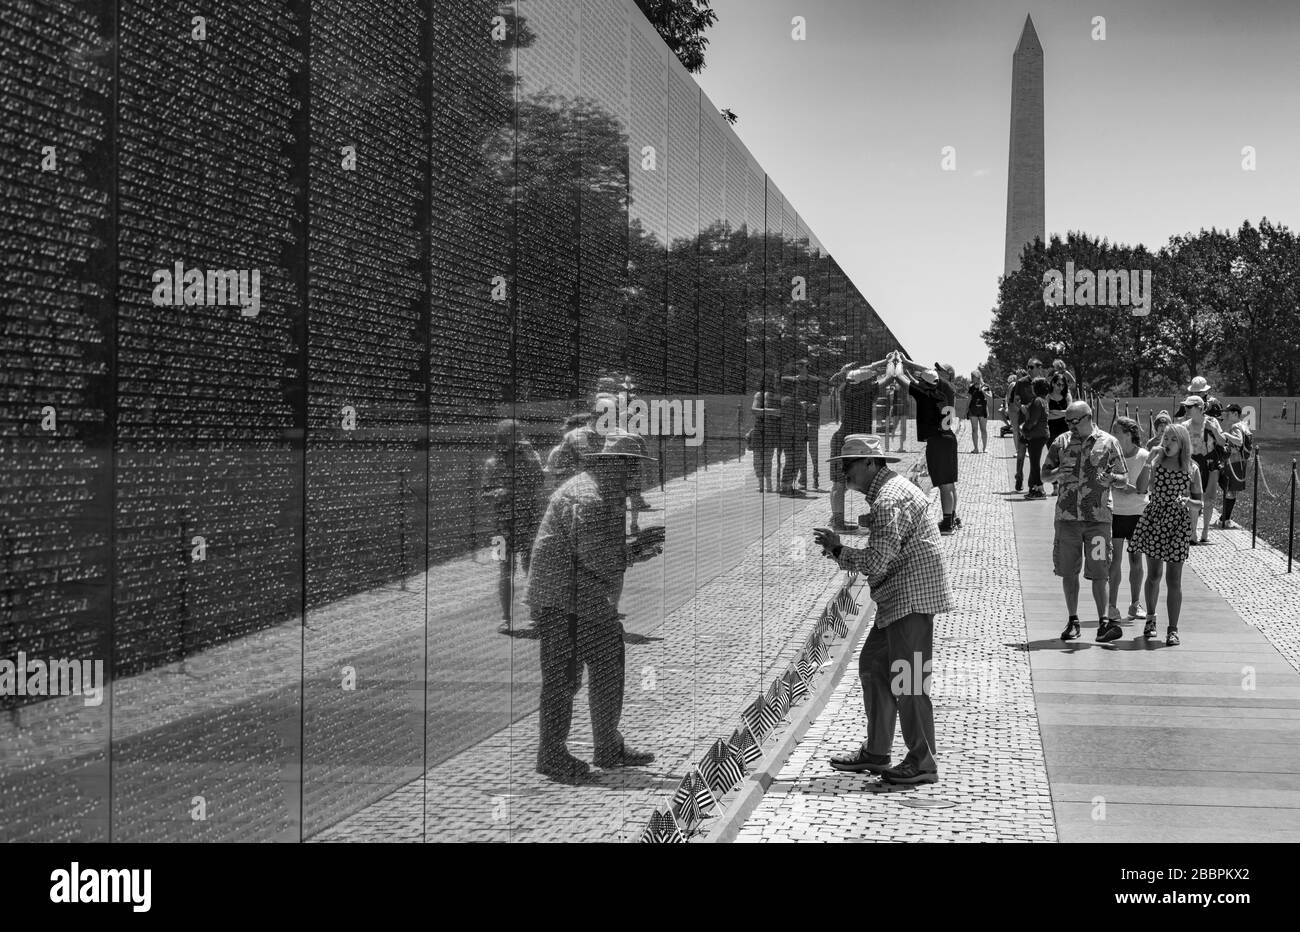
{"x":858,"y":445}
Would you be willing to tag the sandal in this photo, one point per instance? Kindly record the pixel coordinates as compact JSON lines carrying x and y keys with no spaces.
{"x":1171,"y":638}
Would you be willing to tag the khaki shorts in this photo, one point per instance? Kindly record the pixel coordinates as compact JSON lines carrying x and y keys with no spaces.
{"x":1082,"y":545}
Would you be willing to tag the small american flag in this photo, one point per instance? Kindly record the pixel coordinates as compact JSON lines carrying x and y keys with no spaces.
{"x":721,"y":768}
{"x":688,"y":815}
{"x":760,"y":718}
{"x":693,"y":785}
{"x":838,"y":624}
{"x":806,"y":666}
{"x":844,"y":602}
{"x":778,"y":700}
{"x":796,"y":687}
{"x":743,"y":741}
{"x":850,"y":579}
{"x":816,"y":650}
{"x":662,"y":829}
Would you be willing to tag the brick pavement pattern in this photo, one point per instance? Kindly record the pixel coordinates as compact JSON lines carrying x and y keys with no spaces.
{"x":990,"y":753}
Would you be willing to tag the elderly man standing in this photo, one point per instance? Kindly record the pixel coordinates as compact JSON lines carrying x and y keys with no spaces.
{"x":1085,"y":463}
{"x":904,"y":568}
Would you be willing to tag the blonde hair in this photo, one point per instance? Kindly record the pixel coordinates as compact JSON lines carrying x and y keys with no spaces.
{"x":1184,"y":447}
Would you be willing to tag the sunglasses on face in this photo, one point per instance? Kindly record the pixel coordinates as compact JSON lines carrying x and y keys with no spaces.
{"x":1075,"y":420}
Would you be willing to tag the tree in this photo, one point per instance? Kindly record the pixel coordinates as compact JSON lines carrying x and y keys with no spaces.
{"x":682,"y":23}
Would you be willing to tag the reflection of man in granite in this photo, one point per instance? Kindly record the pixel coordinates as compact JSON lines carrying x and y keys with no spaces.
{"x":579,"y":558}
{"x":807,"y":390}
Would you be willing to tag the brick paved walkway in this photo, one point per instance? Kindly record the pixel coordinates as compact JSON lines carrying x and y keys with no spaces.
{"x":993,"y":784}
{"x":1120,"y":742}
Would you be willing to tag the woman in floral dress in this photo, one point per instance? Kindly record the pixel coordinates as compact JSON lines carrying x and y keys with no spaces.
{"x":1163,"y":531}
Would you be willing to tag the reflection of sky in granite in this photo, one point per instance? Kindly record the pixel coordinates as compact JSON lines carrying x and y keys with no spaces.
{"x":252,"y":566}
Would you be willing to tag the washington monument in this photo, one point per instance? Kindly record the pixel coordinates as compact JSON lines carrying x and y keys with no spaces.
{"x":1025,"y":213}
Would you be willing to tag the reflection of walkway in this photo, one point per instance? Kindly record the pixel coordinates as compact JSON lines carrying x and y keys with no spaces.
{"x":1133,"y":741}
{"x":738,"y":612}
{"x":231,"y":724}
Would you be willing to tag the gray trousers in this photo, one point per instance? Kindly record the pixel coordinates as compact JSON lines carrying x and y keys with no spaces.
{"x":895,"y":672}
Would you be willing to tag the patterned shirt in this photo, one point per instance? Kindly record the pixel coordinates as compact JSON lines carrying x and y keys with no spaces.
{"x":1087,"y":469}
{"x":902,"y":560}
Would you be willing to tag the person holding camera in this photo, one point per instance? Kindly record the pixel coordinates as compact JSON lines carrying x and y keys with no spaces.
{"x":579,"y":558}
{"x":904,"y":567}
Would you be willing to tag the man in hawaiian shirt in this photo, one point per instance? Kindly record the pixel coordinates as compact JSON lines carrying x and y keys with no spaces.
{"x":1084,"y":462}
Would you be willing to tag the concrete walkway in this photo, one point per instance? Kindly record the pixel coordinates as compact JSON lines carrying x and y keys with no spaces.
{"x":1143,"y":742}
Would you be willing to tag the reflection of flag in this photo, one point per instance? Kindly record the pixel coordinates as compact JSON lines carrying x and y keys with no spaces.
{"x":693,"y":785}
{"x":743,"y":741}
{"x":796,"y":687}
{"x":850,"y":579}
{"x":662,"y":829}
{"x":778,"y":700}
{"x":721,"y":768}
{"x":760,"y":718}
{"x":844,"y":602}
{"x":688,"y":815}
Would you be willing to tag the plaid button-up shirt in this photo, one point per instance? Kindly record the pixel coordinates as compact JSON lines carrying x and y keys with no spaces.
{"x":902,"y":560}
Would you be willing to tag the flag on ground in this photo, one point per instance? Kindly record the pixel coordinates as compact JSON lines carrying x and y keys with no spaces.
{"x":777,"y":699}
{"x":844,"y":602}
{"x":688,"y":815}
{"x":760,"y":718}
{"x":796,"y":687}
{"x":662,"y":829}
{"x":693,"y":785}
{"x":721,"y":768}
{"x":816,"y":649}
{"x":838,"y":625}
{"x":806,"y":666}
{"x":743,"y":741}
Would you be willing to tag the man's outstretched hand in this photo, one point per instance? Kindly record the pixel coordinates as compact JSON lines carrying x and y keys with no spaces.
{"x":827,"y":539}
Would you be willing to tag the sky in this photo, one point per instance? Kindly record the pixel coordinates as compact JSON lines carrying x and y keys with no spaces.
{"x":1144,"y":132}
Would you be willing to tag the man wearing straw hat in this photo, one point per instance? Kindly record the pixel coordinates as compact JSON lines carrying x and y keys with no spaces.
{"x":904,"y":568}
{"x":579,"y":558}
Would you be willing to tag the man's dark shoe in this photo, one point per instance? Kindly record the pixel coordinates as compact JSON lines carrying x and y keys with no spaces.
{"x":860,"y":761}
{"x":1020,"y":484}
{"x":640,"y":504}
{"x":1150,"y":630}
{"x":945,"y":527}
{"x":907,"y":774}
{"x":1108,"y":631}
{"x":568,"y":769}
{"x":628,"y":757}
{"x":839,"y":526}
{"x":1071,"y":631}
